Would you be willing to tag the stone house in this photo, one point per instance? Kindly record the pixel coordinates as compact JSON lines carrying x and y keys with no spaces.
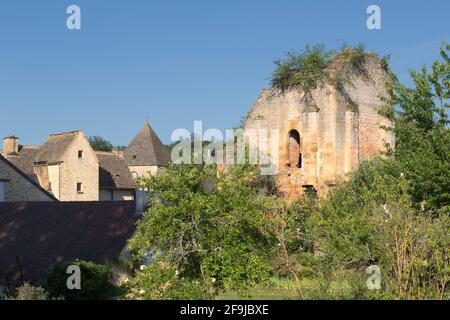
{"x":16,"y":186}
{"x":146,"y":154}
{"x":322,"y":138}
{"x":67,"y":166}
{"x":116,"y":182}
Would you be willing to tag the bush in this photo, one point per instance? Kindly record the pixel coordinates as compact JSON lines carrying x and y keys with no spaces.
{"x":95,"y":283}
{"x":370,"y":220}
{"x":28,"y":292}
{"x":161,"y":281}
{"x":316,"y":66}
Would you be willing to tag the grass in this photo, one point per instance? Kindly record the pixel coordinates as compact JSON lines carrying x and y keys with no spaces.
{"x":313,"y":288}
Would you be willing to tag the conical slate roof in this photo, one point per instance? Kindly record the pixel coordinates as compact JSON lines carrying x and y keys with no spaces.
{"x":146,"y":149}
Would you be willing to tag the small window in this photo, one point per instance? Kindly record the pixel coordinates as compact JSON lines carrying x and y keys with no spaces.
{"x":79,"y":187}
{"x":134,"y":156}
{"x":80,"y":154}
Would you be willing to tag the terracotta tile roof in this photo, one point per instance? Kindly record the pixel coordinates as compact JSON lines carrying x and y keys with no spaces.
{"x":53,"y":149}
{"x":146,"y":149}
{"x":114,"y":172}
{"x":38,"y":234}
{"x":27,"y":177}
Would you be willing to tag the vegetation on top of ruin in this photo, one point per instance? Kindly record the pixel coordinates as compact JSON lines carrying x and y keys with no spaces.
{"x":317,"y":66}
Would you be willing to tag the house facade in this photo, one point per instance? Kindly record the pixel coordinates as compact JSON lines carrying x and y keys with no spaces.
{"x":116,"y":182}
{"x":16,"y":186}
{"x":67,"y":167}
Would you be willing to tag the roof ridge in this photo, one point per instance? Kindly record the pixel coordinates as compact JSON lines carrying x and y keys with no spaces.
{"x":65,"y":132}
{"x":26,"y":177}
{"x":107,"y":153}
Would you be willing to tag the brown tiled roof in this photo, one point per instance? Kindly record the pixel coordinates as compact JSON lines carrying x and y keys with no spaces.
{"x":38,"y":234}
{"x":147,"y":149}
{"x":53,"y":149}
{"x":25,"y":161}
{"x":25,"y":176}
{"x":114,"y":172}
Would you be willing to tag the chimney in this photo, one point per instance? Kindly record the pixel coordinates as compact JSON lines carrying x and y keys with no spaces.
{"x":11,"y":146}
{"x":118,"y":151}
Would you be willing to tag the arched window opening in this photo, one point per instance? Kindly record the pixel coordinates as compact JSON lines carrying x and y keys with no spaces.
{"x":295,"y":157}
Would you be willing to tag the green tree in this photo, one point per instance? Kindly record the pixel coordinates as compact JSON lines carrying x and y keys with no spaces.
{"x":95,"y":282}
{"x":369,"y":220}
{"x":100,"y":144}
{"x":420,"y":123}
{"x":210,"y":224}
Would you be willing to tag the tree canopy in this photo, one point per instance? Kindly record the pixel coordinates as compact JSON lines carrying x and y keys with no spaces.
{"x":100,"y":144}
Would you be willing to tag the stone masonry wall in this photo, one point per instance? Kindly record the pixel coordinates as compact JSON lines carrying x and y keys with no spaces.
{"x":18,"y":188}
{"x":337,"y":128}
{"x":74,"y":170}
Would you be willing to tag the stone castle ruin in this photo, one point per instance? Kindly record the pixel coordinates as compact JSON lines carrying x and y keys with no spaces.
{"x":325,"y":133}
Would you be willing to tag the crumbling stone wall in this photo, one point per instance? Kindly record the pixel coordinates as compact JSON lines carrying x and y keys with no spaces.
{"x":337,"y":127}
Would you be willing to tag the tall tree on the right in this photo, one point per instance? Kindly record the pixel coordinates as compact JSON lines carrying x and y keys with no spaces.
{"x":420,"y":115}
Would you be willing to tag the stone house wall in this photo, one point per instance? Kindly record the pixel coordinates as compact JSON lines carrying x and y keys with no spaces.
{"x":118,"y":195}
{"x":145,"y":170}
{"x":17,"y":188}
{"x":84,"y":170}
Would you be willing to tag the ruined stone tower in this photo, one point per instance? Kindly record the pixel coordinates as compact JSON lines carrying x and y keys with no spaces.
{"x":325,"y":135}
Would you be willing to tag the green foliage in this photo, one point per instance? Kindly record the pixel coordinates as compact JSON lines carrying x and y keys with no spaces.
{"x":305,"y":71}
{"x":209,"y":224}
{"x":369,"y":220}
{"x":420,"y":123}
{"x":29,"y":292}
{"x":100,"y":144}
{"x":95,"y":283}
{"x":316,"y":66}
{"x":161,"y":281}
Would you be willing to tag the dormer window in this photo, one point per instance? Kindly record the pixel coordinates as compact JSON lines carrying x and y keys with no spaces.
{"x":80,"y":154}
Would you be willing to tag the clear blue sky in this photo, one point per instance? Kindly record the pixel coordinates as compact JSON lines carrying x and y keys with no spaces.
{"x":178,"y":61}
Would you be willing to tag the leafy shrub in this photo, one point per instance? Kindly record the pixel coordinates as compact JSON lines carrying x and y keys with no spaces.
{"x":218,"y":235}
{"x":369,"y":220}
{"x":29,"y":292}
{"x":95,"y":283}
{"x":316,"y":66}
{"x":162,"y":281}
{"x":305,"y":71}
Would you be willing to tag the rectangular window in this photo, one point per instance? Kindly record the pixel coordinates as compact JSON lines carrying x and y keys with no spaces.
{"x":79,"y":189}
{"x":2,"y":191}
{"x":80,"y":154}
